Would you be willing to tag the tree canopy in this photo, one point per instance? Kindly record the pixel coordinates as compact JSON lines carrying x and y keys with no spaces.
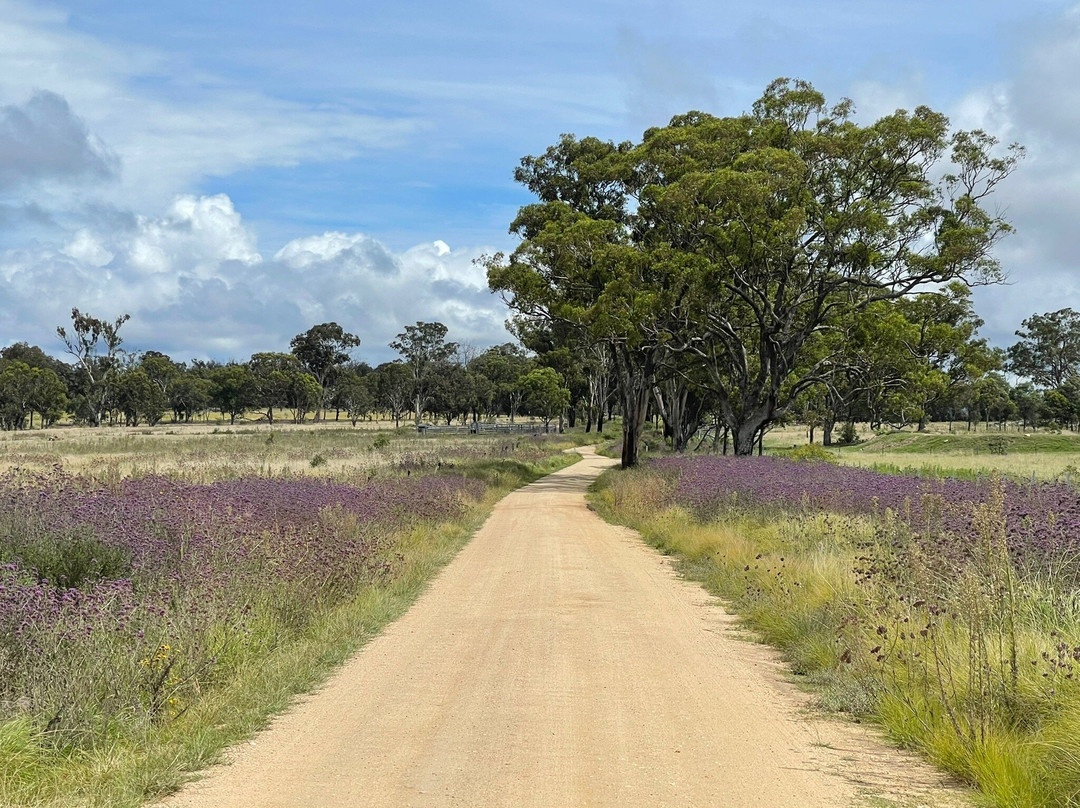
{"x":743,"y":241}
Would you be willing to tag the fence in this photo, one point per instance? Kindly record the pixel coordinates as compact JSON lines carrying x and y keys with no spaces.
{"x":478,"y":428}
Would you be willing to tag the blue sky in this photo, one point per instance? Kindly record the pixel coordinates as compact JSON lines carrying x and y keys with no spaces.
{"x":231,"y":174}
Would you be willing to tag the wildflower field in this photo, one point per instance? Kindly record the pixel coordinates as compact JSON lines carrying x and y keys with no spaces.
{"x":148,"y":619}
{"x":946,"y":610}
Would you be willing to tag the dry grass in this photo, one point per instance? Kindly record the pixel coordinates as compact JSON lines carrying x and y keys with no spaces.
{"x":201,"y":453}
{"x":121,"y":769}
{"x":946,"y":692}
{"x":1044,"y":455}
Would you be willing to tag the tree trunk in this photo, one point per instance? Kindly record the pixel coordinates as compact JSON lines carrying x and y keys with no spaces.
{"x":826,"y":432}
{"x":746,"y":429}
{"x":745,"y":437}
{"x":636,"y":371}
{"x":634,"y":417}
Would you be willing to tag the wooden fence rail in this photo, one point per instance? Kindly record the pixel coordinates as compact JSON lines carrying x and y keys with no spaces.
{"x":479,"y":428}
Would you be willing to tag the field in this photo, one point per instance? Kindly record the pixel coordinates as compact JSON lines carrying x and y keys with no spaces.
{"x":162,"y":593}
{"x":941,"y":606}
{"x":937,"y":452}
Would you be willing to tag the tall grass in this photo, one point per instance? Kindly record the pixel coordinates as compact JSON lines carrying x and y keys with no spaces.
{"x":179,"y":614}
{"x":957,"y":655}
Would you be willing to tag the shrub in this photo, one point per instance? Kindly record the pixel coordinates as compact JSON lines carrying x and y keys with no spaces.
{"x":812,"y":453}
{"x":848,"y":435}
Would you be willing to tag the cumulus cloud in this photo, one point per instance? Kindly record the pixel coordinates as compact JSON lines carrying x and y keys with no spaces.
{"x":43,"y":139}
{"x":196,"y":284}
{"x":1040,"y":108}
{"x":171,"y":124}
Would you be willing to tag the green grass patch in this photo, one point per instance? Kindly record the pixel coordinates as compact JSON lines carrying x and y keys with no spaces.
{"x":960,"y":442}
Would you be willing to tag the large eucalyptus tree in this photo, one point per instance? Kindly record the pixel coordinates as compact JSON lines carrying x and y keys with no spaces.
{"x":743,"y":240}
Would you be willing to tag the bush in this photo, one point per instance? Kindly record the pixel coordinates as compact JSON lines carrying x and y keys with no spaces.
{"x":67,"y":559}
{"x":848,"y":435}
{"x":812,"y":453}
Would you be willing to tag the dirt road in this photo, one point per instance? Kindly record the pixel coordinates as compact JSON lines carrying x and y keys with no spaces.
{"x":558,"y":661}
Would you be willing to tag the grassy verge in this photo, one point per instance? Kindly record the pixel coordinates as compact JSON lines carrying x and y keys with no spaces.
{"x":973,"y":666}
{"x":274,"y":663}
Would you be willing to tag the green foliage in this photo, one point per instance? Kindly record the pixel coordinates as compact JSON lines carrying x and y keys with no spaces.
{"x":749,"y":241}
{"x":68,"y":560}
{"x":811,"y":453}
{"x":233,"y":389}
{"x":423,"y":347}
{"x":355,"y":394}
{"x":25,"y":390}
{"x":544,"y":393}
{"x":95,"y":368}
{"x":848,"y":435}
{"x":1048,"y":351}
{"x":323,"y":348}
{"x":280,"y":381}
{"x":139,"y":398}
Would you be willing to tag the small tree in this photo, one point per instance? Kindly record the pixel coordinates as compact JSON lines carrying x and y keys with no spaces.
{"x":423,"y":347}
{"x":322,"y":350}
{"x":16,"y":394}
{"x":354,"y":395}
{"x":189,"y":394}
{"x":393,"y":384}
{"x":49,"y":397}
{"x":545,"y":395}
{"x":139,"y":398}
{"x":96,"y":369}
{"x":275,"y":377}
{"x":232,"y":390}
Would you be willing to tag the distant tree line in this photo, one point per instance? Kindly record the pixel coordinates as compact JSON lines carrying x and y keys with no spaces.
{"x":318,"y":378}
{"x":721,"y":276}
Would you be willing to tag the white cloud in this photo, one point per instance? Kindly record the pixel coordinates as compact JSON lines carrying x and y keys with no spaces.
{"x":195,"y":237}
{"x":43,"y":140}
{"x":1039,"y":108}
{"x":171,"y":125}
{"x":87,"y":249}
{"x":196,"y":284}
